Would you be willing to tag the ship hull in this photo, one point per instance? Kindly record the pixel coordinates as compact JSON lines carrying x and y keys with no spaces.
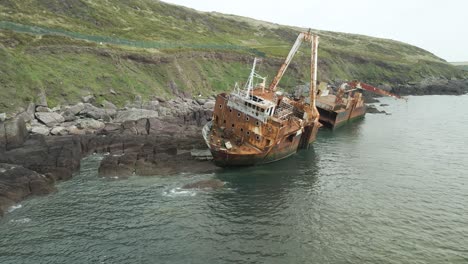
{"x":283,"y":149}
{"x":335,"y":119}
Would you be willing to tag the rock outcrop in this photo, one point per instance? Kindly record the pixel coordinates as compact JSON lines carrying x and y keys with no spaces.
{"x":17,"y":183}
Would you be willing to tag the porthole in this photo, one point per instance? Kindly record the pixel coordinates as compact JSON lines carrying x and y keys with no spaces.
{"x":247,"y":118}
{"x":230,"y":110}
{"x":257,"y":123}
{"x":248,"y":133}
{"x":238,"y":114}
{"x":232,"y":125}
{"x":257,"y":137}
{"x":220,"y":106}
{"x":242,"y":130}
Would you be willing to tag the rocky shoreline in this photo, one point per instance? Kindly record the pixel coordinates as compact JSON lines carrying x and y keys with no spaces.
{"x":40,"y":146}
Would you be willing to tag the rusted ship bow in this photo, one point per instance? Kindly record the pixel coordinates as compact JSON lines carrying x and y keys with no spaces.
{"x":256,"y":125}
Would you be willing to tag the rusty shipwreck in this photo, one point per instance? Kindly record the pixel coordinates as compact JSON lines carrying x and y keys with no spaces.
{"x":257,"y":125}
{"x":346,"y":105}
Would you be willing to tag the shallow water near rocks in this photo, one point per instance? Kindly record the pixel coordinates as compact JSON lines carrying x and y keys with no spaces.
{"x":386,"y":189}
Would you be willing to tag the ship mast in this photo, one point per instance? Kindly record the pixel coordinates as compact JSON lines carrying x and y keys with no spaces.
{"x":313,"y":70}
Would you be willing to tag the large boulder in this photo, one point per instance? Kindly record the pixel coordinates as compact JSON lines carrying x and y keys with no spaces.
{"x":76,"y":108}
{"x":92,"y":111}
{"x":50,"y":119}
{"x":134,"y":114}
{"x":13,"y":133}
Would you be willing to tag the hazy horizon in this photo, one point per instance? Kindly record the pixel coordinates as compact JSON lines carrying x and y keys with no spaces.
{"x":432,"y":25}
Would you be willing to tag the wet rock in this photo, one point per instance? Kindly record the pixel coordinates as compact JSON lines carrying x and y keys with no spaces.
{"x":41,"y":130}
{"x":373,"y":110}
{"x":49,"y":119}
{"x":17,"y":183}
{"x":205,"y":184}
{"x":134,"y":114}
{"x":118,"y":165}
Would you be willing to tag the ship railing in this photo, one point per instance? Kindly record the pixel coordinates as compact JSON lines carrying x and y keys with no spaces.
{"x":283,"y":111}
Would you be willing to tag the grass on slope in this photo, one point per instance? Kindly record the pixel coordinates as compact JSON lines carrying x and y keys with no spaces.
{"x":185,"y":62}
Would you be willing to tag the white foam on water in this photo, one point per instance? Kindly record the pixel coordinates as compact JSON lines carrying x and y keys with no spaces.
{"x":21,"y":220}
{"x":14,"y":207}
{"x":175,"y":192}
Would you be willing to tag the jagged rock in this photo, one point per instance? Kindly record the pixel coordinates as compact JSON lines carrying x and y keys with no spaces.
{"x":68,"y":116}
{"x":41,"y":130}
{"x":2,"y":117}
{"x":88,"y":98}
{"x":205,"y":184}
{"x":76,"y":108}
{"x":90,"y":124}
{"x":17,"y":183}
{"x":151,"y":105}
{"x":98,"y":113}
{"x":134,"y":114}
{"x":13,"y":133}
{"x":59,"y":131}
{"x":43,"y":109}
{"x":50,"y":119}
{"x":108,"y":105}
{"x":111,"y":127}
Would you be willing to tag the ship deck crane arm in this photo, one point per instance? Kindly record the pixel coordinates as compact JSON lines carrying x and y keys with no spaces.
{"x":368,"y":87}
{"x":303,"y":36}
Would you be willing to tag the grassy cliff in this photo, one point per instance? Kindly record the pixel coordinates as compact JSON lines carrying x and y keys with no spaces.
{"x":117,"y":49}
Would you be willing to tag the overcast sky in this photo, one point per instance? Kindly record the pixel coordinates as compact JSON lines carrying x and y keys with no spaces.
{"x":440,"y":27}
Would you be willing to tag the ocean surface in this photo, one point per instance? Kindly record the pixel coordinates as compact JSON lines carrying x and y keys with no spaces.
{"x":385,"y":189}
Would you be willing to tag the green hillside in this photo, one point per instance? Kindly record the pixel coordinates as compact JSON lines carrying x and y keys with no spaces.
{"x":69,"y":48}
